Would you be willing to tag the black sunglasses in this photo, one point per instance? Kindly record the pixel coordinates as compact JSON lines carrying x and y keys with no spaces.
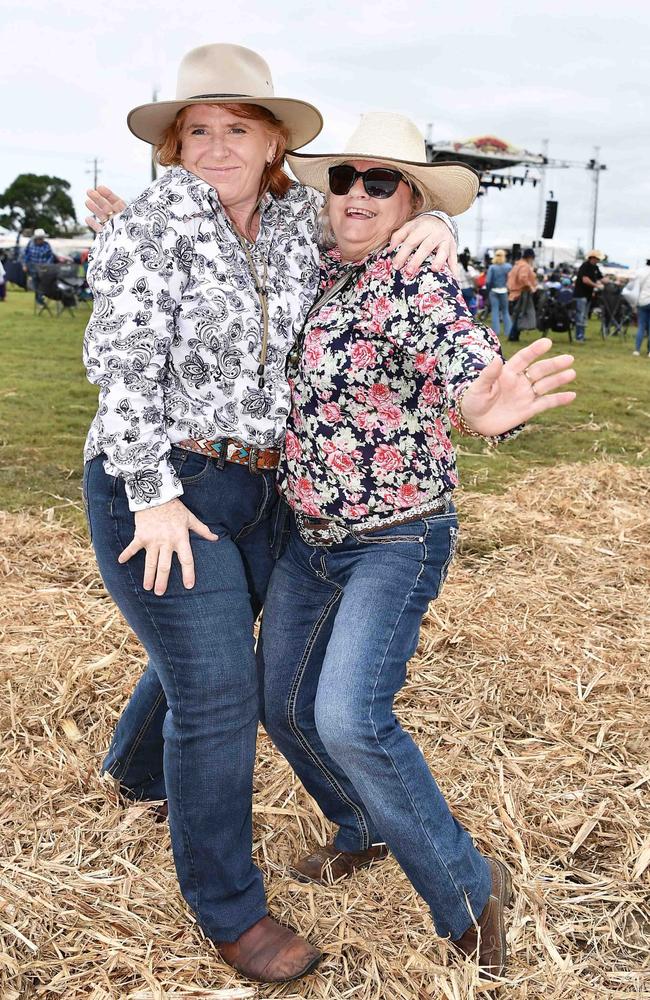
{"x":378,"y":182}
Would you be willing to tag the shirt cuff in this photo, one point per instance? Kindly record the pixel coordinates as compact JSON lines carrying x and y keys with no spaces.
{"x":448,"y":221}
{"x":152,"y":487}
{"x":455,"y":416}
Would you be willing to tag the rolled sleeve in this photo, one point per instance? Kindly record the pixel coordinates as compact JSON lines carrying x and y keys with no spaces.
{"x":443,"y":329}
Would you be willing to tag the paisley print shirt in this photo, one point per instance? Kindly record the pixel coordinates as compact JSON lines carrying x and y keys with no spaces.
{"x":381,"y":369}
{"x":175,"y":338}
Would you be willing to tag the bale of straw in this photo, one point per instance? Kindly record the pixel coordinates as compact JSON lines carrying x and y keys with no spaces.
{"x":528,"y":695}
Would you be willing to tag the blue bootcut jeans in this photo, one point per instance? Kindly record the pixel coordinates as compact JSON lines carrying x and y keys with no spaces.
{"x":339,"y":626}
{"x":188,"y":732}
{"x":643,"y":331}
{"x":500,"y":312}
{"x":581,"y":315}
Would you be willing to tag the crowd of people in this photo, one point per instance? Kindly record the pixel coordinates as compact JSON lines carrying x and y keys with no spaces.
{"x":508,"y":290}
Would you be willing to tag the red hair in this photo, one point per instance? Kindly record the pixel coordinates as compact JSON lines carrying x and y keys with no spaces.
{"x":274,"y":179}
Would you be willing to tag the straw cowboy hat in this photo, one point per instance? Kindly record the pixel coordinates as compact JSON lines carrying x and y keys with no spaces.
{"x":226,"y":74}
{"x":598,"y":254}
{"x":394,"y":140}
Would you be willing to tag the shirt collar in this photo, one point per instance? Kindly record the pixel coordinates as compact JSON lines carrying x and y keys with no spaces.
{"x":268,"y":204}
{"x":331,"y":258}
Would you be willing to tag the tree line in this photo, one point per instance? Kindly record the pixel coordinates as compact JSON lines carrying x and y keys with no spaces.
{"x":38,"y":201}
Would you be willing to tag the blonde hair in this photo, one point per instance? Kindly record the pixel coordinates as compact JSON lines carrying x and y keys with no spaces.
{"x":499,"y":256}
{"x":274,"y":179}
{"x":421,"y":201}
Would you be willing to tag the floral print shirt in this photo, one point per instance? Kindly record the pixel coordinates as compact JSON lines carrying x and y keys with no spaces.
{"x":175,"y":338}
{"x":379,"y":375}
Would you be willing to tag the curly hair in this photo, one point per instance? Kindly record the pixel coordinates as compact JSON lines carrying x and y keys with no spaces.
{"x":274,"y":179}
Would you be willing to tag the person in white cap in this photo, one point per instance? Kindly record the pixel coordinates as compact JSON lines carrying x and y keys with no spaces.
{"x":200,"y":287}
{"x":368,"y":472}
{"x":37,"y":252}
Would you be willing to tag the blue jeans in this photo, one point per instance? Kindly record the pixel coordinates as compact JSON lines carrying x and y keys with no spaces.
{"x":339,"y":627}
{"x":500,"y":312}
{"x":36,"y":284}
{"x":644,"y":327}
{"x":188,"y":733}
{"x":582,"y":315}
{"x":469,"y":294}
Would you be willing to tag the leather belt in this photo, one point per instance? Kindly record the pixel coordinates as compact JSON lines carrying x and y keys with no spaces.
{"x":321,"y":531}
{"x":231,"y":450}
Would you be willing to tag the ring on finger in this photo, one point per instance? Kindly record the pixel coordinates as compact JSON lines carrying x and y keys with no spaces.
{"x":529,"y":379}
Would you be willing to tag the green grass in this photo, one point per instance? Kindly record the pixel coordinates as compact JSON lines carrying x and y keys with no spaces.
{"x":46,"y":405}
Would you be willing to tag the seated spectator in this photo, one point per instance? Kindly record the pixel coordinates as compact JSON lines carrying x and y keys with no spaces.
{"x":38,"y":252}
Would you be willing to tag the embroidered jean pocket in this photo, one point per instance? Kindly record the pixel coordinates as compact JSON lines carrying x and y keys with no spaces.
{"x":453,"y":545}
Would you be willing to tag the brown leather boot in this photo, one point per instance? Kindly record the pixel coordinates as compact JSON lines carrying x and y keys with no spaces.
{"x":270,"y":953}
{"x":489,"y":946}
{"x":327,"y":865}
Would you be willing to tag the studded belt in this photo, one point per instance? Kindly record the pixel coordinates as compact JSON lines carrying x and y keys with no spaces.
{"x":320,"y":531}
{"x":232,"y":450}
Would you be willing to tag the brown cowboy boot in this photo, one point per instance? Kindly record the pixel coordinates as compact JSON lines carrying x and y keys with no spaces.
{"x":489,"y":946}
{"x":327,"y":865}
{"x":269,"y":953}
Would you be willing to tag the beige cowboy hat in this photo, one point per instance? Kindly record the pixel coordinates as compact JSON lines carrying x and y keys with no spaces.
{"x":226,"y":74}
{"x":394,"y":140}
{"x":598,"y":254}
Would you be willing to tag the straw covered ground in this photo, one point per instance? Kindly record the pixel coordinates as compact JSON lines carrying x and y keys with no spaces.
{"x":529,"y":696}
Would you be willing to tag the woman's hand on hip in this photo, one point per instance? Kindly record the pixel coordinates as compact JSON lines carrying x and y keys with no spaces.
{"x":506,"y":395}
{"x":161,"y":532}
{"x":419,"y":238}
{"x":103,"y":203}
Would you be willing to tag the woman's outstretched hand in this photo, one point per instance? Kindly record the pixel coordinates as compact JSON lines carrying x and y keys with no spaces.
{"x":103,"y":203}
{"x":506,"y":395}
{"x":161,"y":532}
{"x":417,"y":239}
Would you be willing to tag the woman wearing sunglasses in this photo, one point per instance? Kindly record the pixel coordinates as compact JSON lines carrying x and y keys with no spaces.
{"x":199,"y":289}
{"x":369,"y":472}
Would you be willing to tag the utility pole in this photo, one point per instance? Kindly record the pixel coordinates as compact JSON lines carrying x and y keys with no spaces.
{"x":94,"y":170}
{"x":542,"y":190}
{"x":595,"y":166}
{"x":479,"y":223}
{"x":154,"y":173}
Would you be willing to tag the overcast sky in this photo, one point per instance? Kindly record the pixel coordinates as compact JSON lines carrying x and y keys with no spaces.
{"x":575,"y":73}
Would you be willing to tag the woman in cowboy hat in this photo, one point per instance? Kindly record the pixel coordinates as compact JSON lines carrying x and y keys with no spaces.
{"x":199,"y":287}
{"x":369,"y":471}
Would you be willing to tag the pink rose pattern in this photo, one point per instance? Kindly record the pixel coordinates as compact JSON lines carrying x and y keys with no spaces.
{"x":368,"y":435}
